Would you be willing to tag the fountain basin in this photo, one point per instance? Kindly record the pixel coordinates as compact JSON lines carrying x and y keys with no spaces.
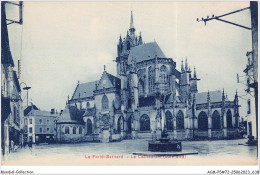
{"x":164,"y":145}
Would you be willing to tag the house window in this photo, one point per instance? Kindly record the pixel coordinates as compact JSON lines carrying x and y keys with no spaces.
{"x":30,"y":121}
{"x":25,"y":121}
{"x":48,"y":122}
{"x":40,"y":130}
{"x":30,"y":130}
{"x":67,"y":130}
{"x":74,"y":130}
{"x":88,"y":105}
{"x":48,"y":130}
{"x":104,"y":102}
{"x":40,"y":121}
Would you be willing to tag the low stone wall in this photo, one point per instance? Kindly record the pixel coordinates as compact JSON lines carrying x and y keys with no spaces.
{"x":145,"y":135}
{"x":200,"y":134}
{"x":217,"y":134}
{"x":91,"y":138}
{"x":232,"y":133}
{"x":116,"y":137}
{"x":181,"y":135}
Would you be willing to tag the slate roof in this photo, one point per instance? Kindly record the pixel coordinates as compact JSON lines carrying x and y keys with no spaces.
{"x":41,"y":113}
{"x":90,"y":112}
{"x":71,"y":115}
{"x":215,"y":96}
{"x":84,"y":90}
{"x":145,"y":52}
{"x":29,"y":108}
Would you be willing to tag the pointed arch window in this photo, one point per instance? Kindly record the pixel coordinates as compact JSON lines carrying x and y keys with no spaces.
{"x":216,"y":120}
{"x":151,"y":79}
{"x":74,"y":130}
{"x":180,"y":120}
{"x":140,"y":87}
{"x":229,"y":119}
{"x":164,"y":79}
{"x":80,"y":130}
{"x":203,"y":121}
{"x":89,"y":126}
{"x":67,"y":130}
{"x":104,"y":102}
{"x":169,"y":121}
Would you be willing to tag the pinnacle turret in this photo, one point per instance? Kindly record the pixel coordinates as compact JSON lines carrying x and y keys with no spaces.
{"x":194,"y":74}
{"x":186,"y":64}
{"x":182,"y":67}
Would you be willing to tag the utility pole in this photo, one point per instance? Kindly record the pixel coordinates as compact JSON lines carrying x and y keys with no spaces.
{"x":254,"y":29}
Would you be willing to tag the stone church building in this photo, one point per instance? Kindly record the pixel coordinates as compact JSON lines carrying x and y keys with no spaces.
{"x":149,"y":95}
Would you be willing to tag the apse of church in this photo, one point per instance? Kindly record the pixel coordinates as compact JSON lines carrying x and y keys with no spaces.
{"x":149,"y":95}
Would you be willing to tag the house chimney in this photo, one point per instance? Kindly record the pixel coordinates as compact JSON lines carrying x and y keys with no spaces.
{"x":52,"y":111}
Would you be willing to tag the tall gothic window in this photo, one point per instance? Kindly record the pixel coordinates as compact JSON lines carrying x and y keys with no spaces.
{"x":151,"y":79}
{"x":140,"y":87}
{"x":203,"y":121}
{"x":229,"y":119}
{"x":216,"y":120}
{"x":169,"y":121}
{"x":145,"y":123}
{"x":180,"y":120}
{"x":120,"y":124}
{"x":89,"y":126}
{"x":164,"y":79}
{"x":104,"y":102}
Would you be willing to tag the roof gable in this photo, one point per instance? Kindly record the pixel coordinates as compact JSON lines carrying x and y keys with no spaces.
{"x":108,"y":80}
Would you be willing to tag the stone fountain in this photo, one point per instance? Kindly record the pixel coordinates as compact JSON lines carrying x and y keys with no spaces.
{"x":164,"y":144}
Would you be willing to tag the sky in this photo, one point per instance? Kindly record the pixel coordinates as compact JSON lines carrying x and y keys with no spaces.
{"x":61,"y":43}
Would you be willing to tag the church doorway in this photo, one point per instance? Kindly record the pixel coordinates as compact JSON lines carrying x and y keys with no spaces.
{"x":144,"y":123}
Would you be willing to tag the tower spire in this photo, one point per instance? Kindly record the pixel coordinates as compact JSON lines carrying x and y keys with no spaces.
{"x":132,"y":28}
{"x":132,"y":21}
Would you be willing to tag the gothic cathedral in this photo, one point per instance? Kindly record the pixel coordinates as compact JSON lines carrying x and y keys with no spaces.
{"x":147,"y":96}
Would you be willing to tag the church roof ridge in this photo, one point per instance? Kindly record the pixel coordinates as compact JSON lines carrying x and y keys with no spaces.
{"x":145,"y":51}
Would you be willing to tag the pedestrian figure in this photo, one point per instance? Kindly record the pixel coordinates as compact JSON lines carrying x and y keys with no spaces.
{"x":24,"y":144}
{"x":12,"y":145}
{"x":30,"y":145}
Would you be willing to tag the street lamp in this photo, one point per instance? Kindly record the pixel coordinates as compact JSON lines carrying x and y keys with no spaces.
{"x":27,"y":89}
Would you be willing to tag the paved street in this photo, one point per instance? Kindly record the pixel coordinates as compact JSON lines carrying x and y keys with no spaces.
{"x":209,"y":152}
